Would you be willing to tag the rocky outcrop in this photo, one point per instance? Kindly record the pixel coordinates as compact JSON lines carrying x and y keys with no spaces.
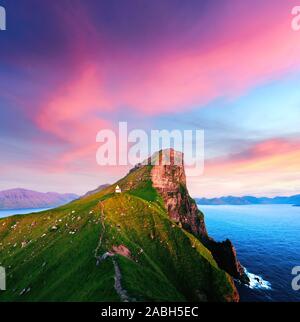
{"x":170,"y":181}
{"x":121,"y":250}
{"x":168,"y":178}
{"x":224,"y":254}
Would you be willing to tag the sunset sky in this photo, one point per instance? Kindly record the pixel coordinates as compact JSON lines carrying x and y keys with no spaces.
{"x":71,"y":68}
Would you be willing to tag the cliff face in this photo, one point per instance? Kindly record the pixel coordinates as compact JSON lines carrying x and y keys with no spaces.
{"x":225,"y":255}
{"x":170,"y":181}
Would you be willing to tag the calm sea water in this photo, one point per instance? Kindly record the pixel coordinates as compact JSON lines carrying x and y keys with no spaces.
{"x":267,"y":240}
{"x":7,"y":213}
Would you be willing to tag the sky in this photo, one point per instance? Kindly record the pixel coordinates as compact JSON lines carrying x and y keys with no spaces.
{"x":69,"y":69}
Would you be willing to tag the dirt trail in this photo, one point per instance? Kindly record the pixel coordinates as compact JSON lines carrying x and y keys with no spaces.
{"x":104,"y":256}
{"x":118,"y":276}
{"x":118,"y":285}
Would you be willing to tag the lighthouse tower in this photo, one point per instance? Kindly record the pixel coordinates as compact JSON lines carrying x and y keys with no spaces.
{"x":118,"y":189}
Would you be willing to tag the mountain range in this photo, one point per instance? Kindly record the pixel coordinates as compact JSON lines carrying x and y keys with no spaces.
{"x":100,"y":188}
{"x":249,"y":200}
{"x":145,"y":242}
{"x":29,"y":199}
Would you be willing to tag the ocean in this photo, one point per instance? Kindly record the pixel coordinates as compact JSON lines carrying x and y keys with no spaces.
{"x":7,"y":213}
{"x":267,"y":240}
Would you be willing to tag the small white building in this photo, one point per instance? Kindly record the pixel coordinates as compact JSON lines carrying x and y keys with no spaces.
{"x":118,"y":189}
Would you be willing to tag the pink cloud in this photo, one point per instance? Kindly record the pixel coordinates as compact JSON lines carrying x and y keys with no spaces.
{"x":177,"y":80}
{"x":270,"y":155}
{"x":191,"y":77}
{"x":270,"y":166}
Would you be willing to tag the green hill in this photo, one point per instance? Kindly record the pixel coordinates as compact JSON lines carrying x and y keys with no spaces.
{"x":113,"y":247}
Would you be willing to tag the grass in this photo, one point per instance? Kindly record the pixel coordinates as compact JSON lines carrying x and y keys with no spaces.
{"x":49,"y":256}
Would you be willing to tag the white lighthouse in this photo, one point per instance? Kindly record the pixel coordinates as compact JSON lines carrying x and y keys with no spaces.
{"x":118,"y":189}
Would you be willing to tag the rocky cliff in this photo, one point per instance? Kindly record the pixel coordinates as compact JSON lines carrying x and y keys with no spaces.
{"x":170,"y":181}
{"x":225,"y":255}
{"x":168,"y":178}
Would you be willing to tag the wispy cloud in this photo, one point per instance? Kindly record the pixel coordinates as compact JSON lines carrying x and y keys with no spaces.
{"x":77,"y":66}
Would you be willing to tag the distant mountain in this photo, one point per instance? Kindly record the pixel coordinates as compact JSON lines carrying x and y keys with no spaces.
{"x":22,"y":199}
{"x":100,"y":188}
{"x":249,"y":200}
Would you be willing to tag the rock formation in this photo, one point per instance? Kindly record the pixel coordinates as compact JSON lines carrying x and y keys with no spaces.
{"x":168,"y":177}
{"x":170,"y":182}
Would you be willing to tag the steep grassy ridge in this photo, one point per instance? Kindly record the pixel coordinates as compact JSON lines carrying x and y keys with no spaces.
{"x":52,"y":255}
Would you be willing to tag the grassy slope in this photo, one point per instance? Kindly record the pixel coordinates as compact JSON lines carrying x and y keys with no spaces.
{"x":59,"y":264}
